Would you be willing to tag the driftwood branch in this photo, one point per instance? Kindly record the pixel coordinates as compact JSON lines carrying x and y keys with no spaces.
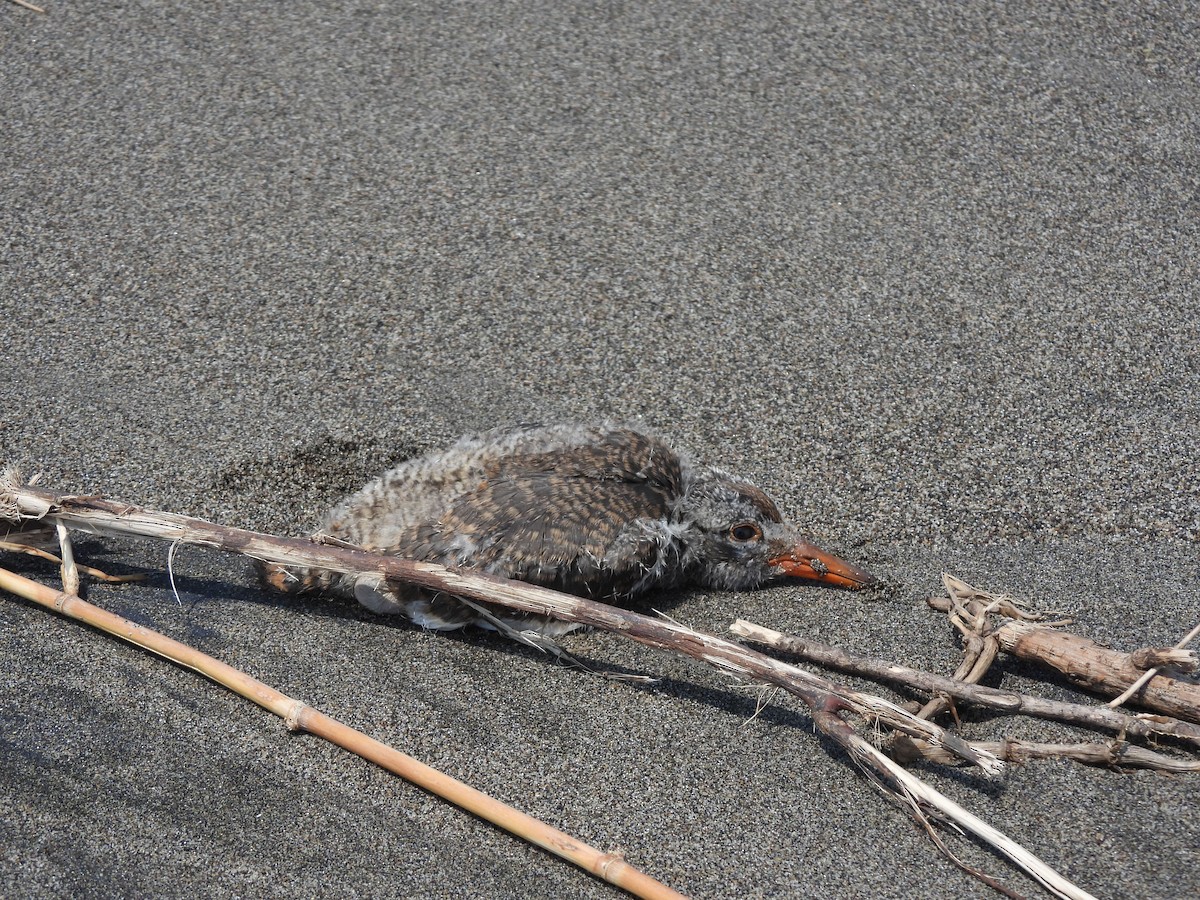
{"x":300,"y":717}
{"x":1098,"y":717}
{"x":1160,"y":659}
{"x":1108,"y":672}
{"x":824,"y":699}
{"x":1084,"y":662}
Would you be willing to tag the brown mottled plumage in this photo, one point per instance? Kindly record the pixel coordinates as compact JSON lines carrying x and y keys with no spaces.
{"x":595,"y":510}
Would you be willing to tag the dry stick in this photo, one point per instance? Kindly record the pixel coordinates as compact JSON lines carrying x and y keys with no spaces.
{"x":108,"y":517}
{"x":979,"y":603}
{"x":1117,"y":754}
{"x":1099,"y":717}
{"x":823,"y":698}
{"x":28,"y":5}
{"x":301,"y":717}
{"x":50,"y":557}
{"x":978,"y":657}
{"x":1097,"y":668}
{"x":980,"y":647}
{"x":918,"y":792}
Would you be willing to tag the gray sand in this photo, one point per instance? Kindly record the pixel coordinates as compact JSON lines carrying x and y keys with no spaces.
{"x":926,"y":273}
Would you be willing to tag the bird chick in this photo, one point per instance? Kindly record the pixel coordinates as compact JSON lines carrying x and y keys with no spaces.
{"x":600,"y":511}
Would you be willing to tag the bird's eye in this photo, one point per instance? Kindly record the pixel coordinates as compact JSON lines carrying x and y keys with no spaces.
{"x":745,"y":531}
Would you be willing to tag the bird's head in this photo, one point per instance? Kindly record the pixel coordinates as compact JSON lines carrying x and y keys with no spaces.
{"x":735,"y":538}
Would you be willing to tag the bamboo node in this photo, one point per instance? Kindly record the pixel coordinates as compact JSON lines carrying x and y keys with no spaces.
{"x":292,"y":720}
{"x":608,"y":862}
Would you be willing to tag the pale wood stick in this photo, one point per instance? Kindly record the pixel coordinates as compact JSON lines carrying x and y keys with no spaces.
{"x":300,"y":717}
{"x":1098,"y":668}
{"x":28,"y":5}
{"x":114,"y":518}
{"x":1099,"y":717}
{"x":70,"y":573}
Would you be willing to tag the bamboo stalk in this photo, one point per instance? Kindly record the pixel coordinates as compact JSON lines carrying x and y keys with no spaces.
{"x":300,"y":717}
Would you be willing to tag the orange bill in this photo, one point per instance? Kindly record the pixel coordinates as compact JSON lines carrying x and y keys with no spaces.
{"x":809,"y":561}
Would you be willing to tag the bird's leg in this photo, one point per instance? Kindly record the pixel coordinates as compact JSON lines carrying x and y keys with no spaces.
{"x":531,"y":638}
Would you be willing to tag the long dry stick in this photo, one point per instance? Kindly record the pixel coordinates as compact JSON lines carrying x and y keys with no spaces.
{"x":1098,"y":717}
{"x":16,"y":547}
{"x":921,"y":793}
{"x":108,"y":517}
{"x":1117,"y":754}
{"x":301,"y":717}
{"x":824,"y":699}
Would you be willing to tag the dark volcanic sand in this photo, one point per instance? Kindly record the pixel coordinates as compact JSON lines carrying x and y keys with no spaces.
{"x":928,"y":274}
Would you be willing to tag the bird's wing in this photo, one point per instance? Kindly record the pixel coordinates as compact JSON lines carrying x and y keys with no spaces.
{"x":573,"y":533}
{"x":581,"y":522}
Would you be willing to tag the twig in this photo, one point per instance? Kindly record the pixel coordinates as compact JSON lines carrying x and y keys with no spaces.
{"x":171,"y":570}
{"x":1097,"y":668}
{"x":1080,"y":659}
{"x":984,"y":602}
{"x":978,"y":656}
{"x":28,"y":5}
{"x":30,"y":550}
{"x":300,"y":717}
{"x":1117,"y":754}
{"x":1099,"y":717}
{"x":70,"y":573}
{"x":921,"y":793}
